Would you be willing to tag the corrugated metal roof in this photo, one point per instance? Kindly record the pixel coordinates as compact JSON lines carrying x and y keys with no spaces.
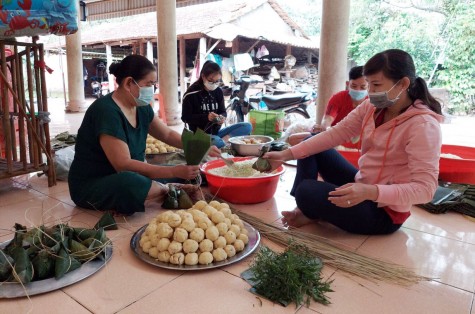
{"x":212,"y":19}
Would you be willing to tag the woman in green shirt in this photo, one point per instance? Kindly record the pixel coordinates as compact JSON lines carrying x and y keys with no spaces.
{"x":108,"y":171}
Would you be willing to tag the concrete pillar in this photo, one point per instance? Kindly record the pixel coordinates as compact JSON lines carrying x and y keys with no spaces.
{"x":332,"y":72}
{"x":202,"y":52}
{"x":168,"y":65}
{"x":109,"y":62}
{"x":77,"y":101}
{"x":150,"y":51}
{"x":183,"y":86}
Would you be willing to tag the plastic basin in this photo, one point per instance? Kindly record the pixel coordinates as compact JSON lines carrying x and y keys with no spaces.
{"x":241,"y":190}
{"x":457,"y":170}
{"x":450,"y":169}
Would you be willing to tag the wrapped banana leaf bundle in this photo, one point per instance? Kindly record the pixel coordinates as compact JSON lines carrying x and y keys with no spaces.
{"x":45,"y":252}
{"x":177,"y":199}
{"x":263,"y":165}
{"x":195,"y":145}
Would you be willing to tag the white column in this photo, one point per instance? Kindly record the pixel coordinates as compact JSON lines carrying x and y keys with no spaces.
{"x":202,"y":52}
{"x":168,"y":65}
{"x":150,"y":51}
{"x":109,"y":62}
{"x":77,"y":101}
{"x":333,"y":51}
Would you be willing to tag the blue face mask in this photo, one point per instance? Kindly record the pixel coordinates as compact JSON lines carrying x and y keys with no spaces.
{"x":145,"y":95}
{"x":357,"y":94}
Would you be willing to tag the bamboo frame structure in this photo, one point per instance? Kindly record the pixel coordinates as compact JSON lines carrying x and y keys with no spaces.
{"x":23,"y":99}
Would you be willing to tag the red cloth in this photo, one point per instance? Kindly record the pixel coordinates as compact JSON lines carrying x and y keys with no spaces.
{"x":339,"y":106}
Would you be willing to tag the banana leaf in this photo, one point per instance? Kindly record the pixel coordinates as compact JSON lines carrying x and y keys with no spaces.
{"x":43,"y":265}
{"x":101,"y":235}
{"x":17,"y":241}
{"x":6,"y":263}
{"x":195,"y":145}
{"x":107,"y":222}
{"x":184,"y":200}
{"x":64,"y":263}
{"x":83,"y":233}
{"x":79,"y":251}
{"x":171,"y":200}
{"x":23,"y":267}
{"x":33,"y":236}
{"x":261,"y":164}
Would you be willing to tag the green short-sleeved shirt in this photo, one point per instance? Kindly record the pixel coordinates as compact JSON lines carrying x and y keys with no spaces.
{"x":91,"y":170}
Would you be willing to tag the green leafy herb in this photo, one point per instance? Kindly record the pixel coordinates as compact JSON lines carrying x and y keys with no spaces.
{"x":291,"y":276}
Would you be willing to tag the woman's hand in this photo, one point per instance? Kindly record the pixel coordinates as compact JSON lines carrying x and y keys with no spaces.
{"x":351,"y":194}
{"x":214,"y":152}
{"x":212,"y":116}
{"x":276,"y":159}
{"x":186,"y":172}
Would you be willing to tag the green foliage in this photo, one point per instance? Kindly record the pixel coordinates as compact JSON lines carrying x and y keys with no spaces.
{"x":292,"y":276}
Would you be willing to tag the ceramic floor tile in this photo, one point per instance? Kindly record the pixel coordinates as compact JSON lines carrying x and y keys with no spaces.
{"x":208,"y":292}
{"x":268,"y":211}
{"x":356,"y":295}
{"x":123,"y":281}
{"x":306,"y":310}
{"x":12,"y":192}
{"x":56,"y":302}
{"x":450,"y":225}
{"x":40,"y":184}
{"x":448,"y":261}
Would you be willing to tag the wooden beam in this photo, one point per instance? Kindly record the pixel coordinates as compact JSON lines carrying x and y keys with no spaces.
{"x":212,"y":47}
{"x":252,"y":47}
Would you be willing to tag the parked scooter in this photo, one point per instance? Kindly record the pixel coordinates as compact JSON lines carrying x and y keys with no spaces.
{"x":96,"y":89}
{"x":290,"y":103}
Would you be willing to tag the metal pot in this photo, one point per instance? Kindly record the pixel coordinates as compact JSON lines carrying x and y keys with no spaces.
{"x":243,"y":149}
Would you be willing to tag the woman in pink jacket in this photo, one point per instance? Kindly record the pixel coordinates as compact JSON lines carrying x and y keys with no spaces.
{"x":399,"y":164}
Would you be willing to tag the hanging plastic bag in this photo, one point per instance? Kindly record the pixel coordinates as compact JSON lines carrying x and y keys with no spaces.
{"x":63,"y":159}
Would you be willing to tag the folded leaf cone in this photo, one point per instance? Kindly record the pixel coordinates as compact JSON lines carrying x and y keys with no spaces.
{"x":6,"y":263}
{"x":64,"y":263}
{"x":43,"y":265}
{"x":195,"y":145}
{"x":23,"y":267}
{"x":184,"y":200}
{"x":107,"y":222}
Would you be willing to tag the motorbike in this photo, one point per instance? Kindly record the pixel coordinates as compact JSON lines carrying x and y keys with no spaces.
{"x":293,"y":104}
{"x":99,"y":89}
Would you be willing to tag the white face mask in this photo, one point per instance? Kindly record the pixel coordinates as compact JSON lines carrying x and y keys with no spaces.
{"x":145,"y":95}
{"x":210,"y":86}
{"x":381,"y":100}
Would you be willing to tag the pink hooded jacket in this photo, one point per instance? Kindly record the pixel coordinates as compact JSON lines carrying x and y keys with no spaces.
{"x":401,"y":156}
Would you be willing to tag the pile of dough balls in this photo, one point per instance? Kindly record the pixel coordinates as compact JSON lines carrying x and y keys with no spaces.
{"x":203,"y":234}
{"x":155,"y":146}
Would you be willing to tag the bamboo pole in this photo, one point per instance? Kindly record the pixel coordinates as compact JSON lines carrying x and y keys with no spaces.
{"x":21,"y":117}
{"x":6,"y":110}
{"x":39,"y":100}
{"x":32,"y":143}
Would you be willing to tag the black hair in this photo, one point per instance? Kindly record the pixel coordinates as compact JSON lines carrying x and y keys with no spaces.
{"x":135,"y":66}
{"x":397,"y":64}
{"x":356,"y":72}
{"x":209,"y":68}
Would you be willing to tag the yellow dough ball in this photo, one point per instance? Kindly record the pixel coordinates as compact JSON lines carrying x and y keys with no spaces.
{"x":230,"y":250}
{"x":154,"y":239}
{"x":164,"y":230}
{"x":244,"y":231}
{"x":188,"y":224}
{"x":200,"y":205}
{"x":190,"y":246}
{"x":219,"y":255}
{"x":234,"y":217}
{"x":230,"y":237}
{"x":220,"y":242}
{"x":226,"y":211}
{"x":244,"y":238}
{"x":215,"y":204}
{"x":174,"y":220}
{"x":153,"y":252}
{"x":238,"y":245}
{"x":205,"y":223}
{"x":217,"y":217}
{"x":235,"y":228}
{"x":177,"y":258}
{"x":163,"y":244}
{"x":223,"y":205}
{"x":227,"y":221}
{"x":197,"y":234}
{"x":209,"y":210}
{"x":191,"y":259}
{"x":222,"y":228}
{"x":164,"y":256}
{"x":146,"y":246}
{"x":180,"y":235}
{"x":143,"y":239}
{"x":205,"y":258}
{"x":206,"y":245}
{"x":212,"y":233}
{"x":174,"y":247}
{"x":239,"y":222}
{"x":151,"y":229}
{"x":163,"y":217}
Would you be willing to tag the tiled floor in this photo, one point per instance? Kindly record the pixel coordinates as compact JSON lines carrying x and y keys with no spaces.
{"x":440,"y":247}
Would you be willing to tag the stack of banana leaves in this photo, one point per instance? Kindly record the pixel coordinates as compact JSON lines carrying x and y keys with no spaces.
{"x":453,"y":197}
{"x":45,"y":252}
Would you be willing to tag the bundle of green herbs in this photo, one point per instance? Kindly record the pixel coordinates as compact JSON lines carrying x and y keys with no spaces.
{"x":291,"y":276}
{"x":44,"y":252}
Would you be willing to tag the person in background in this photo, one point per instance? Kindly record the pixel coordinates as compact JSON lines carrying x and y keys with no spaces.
{"x":203,"y":107}
{"x":339,"y":106}
{"x":108,"y":171}
{"x":399,"y":163}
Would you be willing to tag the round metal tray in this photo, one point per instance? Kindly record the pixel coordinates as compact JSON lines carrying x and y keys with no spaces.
{"x":254,"y":239}
{"x":15,"y":290}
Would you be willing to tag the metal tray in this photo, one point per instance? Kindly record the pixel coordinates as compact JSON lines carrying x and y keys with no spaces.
{"x":15,"y":290}
{"x":254,"y":239}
